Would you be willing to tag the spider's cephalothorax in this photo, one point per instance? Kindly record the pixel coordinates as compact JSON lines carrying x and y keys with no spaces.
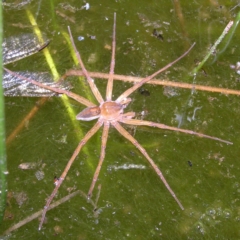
{"x":110,"y":113}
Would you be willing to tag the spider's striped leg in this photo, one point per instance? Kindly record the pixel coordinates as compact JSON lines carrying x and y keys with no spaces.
{"x":102,"y":156}
{"x":163,"y":126}
{"x":91,"y":83}
{"x":112,"y":65}
{"x":89,"y":134}
{"x":72,"y":95}
{"x":122,"y":131}
{"x":139,"y":84}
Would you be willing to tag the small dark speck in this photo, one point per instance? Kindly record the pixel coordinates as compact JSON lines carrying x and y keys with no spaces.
{"x":157,"y":34}
{"x":92,"y":37}
{"x":189,"y":163}
{"x":132,"y":153}
{"x":144,"y":92}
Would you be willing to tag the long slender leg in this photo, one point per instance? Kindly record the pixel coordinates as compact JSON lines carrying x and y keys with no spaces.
{"x":91,"y":83}
{"x":139,"y":84}
{"x":163,"y":126}
{"x":72,"y":95}
{"x":112,"y":65}
{"x":122,"y":131}
{"x":74,"y":72}
{"x":90,"y":133}
{"x":102,"y":156}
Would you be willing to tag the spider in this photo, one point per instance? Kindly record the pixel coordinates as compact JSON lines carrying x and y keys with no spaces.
{"x":108,"y":113}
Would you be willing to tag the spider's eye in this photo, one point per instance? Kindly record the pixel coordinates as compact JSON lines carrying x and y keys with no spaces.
{"x":89,"y":114}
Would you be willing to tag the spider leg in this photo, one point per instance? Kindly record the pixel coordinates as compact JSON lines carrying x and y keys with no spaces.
{"x":102,"y":156}
{"x":112,"y":65}
{"x":139,"y":84}
{"x":91,"y":83}
{"x":89,"y":134}
{"x":128,"y":136}
{"x":157,"y":82}
{"x":72,"y":95}
{"x":163,"y":126}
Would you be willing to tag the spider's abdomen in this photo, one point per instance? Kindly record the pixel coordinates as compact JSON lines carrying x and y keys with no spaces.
{"x":89,"y":114}
{"x":111,"y":110}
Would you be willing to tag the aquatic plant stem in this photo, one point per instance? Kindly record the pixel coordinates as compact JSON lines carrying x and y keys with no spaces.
{"x":3,"y":164}
{"x":229,"y":37}
{"x":213,"y":48}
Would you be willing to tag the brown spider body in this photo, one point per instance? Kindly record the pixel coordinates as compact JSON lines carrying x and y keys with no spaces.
{"x":107,"y":111}
{"x":110,"y":113}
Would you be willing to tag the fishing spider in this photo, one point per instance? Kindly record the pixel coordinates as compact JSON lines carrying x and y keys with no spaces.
{"x":109,"y":113}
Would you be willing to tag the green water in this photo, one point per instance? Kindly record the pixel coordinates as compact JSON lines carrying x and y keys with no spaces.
{"x":133,"y":203}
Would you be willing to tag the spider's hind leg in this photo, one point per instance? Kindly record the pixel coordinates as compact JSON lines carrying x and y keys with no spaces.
{"x":101,"y":159}
{"x":129,"y":137}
